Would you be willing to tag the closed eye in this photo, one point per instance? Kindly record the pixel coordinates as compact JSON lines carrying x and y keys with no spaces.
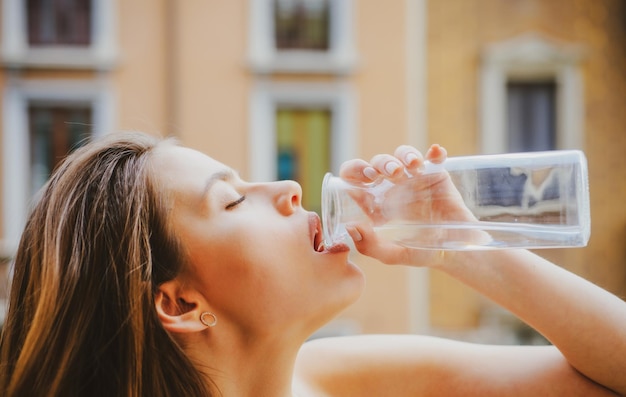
{"x":235,"y":203}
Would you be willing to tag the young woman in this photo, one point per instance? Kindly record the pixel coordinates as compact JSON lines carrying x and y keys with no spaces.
{"x":150,"y":269}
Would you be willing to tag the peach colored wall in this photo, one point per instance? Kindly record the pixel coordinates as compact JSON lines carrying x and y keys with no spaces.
{"x":213,"y":78}
{"x":140,"y":79}
{"x":380,"y":83}
{"x":179,"y":76}
{"x":381,"y":76}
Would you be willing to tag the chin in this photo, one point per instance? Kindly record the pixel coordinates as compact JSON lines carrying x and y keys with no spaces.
{"x":350,"y":289}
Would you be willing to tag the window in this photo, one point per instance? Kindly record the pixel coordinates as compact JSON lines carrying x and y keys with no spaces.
{"x":531,"y":95}
{"x":43,"y":120}
{"x":531,"y":116}
{"x":531,"y":126}
{"x":76,"y":34}
{"x":59,"y":22}
{"x":301,"y":36}
{"x":54,"y":132}
{"x":301,"y":24}
{"x":293,"y":121}
{"x":303,"y":150}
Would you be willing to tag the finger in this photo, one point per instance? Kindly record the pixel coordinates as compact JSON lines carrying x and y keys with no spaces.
{"x":357,"y":171}
{"x":436,"y":154}
{"x":410,"y":156}
{"x":367,"y":242}
{"x":387,"y":165}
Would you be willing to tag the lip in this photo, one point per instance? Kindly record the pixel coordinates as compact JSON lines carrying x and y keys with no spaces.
{"x":316,"y":237}
{"x":340,"y":247}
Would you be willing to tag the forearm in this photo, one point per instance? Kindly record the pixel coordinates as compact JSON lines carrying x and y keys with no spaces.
{"x":586,"y":323}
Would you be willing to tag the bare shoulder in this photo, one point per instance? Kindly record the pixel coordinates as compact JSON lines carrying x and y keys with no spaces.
{"x":412,"y":365}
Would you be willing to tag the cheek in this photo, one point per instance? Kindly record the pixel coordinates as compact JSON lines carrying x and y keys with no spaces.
{"x":239,"y":268}
{"x":247,"y":266}
{"x":249,"y":291}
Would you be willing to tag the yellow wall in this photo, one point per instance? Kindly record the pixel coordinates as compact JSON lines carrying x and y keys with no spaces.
{"x":458,"y":30}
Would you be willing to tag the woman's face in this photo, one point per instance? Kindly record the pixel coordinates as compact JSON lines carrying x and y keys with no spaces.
{"x":252,"y":248}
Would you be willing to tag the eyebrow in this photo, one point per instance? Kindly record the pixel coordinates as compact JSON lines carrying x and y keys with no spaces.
{"x":223,"y":175}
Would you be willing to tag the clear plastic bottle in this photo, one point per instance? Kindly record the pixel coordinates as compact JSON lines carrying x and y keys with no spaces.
{"x":521,"y":200}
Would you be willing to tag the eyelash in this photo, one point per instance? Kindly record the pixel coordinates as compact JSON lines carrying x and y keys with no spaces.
{"x":236,"y":202}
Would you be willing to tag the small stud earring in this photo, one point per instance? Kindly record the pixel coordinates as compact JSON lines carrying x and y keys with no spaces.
{"x":209,"y":319}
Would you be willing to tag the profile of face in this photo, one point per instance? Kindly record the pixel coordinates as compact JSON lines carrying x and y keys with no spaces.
{"x":253,"y":253}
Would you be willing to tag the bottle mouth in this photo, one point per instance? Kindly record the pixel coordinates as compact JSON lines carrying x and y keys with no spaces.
{"x":331,"y":212}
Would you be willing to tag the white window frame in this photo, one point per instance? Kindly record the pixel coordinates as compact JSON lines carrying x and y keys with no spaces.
{"x":265,"y":58}
{"x":267,"y":97}
{"x":418,"y":280}
{"x":16,"y":162}
{"x":531,"y":57}
{"x":100,"y":54}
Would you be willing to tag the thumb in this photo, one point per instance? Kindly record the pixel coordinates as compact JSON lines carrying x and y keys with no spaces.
{"x":368,"y":243}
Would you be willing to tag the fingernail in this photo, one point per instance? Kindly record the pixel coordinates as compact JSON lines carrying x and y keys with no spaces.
{"x":370,"y":173}
{"x":356,"y":236}
{"x":410,"y":158}
{"x":391,"y":167}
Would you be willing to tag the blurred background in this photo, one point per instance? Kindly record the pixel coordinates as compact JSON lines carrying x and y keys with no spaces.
{"x":288,"y":89}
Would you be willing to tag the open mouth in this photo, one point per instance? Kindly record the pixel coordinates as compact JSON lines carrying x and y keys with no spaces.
{"x":317,"y":237}
{"x":316,"y":232}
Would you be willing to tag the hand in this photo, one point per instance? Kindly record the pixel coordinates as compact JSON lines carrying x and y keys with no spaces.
{"x":419,"y":196}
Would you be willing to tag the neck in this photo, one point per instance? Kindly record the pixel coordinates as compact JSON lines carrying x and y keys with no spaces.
{"x":248,"y":366}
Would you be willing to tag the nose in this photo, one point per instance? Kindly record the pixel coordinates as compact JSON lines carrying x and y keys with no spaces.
{"x":287,"y":197}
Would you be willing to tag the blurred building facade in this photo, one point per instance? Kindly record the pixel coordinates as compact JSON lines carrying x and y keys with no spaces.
{"x":288,"y":89}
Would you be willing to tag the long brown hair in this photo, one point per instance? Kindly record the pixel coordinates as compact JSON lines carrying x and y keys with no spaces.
{"x":81,"y":317}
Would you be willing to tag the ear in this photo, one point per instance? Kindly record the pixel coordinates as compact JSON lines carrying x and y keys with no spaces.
{"x":179,"y":309}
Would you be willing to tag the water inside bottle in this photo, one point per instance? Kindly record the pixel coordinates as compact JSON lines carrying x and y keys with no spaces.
{"x":481,"y":235}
